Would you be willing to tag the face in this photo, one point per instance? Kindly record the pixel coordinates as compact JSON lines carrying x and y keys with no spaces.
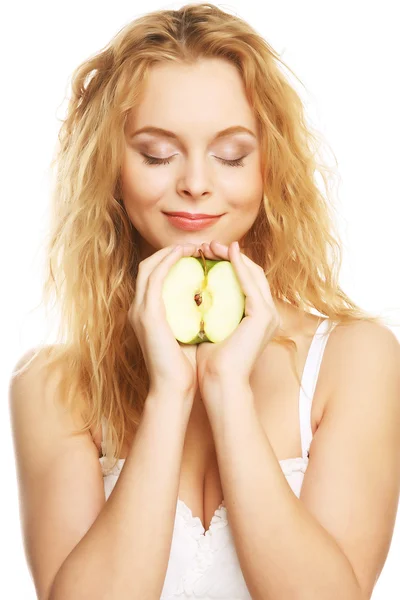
{"x":194,"y":170}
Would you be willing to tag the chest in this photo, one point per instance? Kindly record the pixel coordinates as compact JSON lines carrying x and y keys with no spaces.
{"x":276,"y":392}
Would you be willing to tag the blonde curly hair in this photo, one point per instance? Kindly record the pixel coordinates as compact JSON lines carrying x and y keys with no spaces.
{"x":92,"y":247}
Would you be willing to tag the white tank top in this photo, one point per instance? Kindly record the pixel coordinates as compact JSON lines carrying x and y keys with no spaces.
{"x":203,"y":565}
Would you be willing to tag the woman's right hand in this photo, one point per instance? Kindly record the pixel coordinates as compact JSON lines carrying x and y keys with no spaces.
{"x":171,"y":365}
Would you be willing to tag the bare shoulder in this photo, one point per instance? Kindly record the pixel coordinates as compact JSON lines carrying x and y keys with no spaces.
{"x":358,"y":348}
{"x":31,"y":365}
{"x":366,"y":328}
{"x":38,"y":354}
{"x":53,"y":459}
{"x":37,"y":414}
{"x":30,"y":370}
{"x":30,"y":373}
{"x":361,"y":339}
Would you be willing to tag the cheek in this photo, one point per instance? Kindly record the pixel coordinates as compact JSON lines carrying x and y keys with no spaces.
{"x":245,"y":199}
{"x":245,"y":189}
{"x":141,"y":185}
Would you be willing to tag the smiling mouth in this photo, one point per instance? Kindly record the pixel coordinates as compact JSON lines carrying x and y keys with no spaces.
{"x":191,"y":224}
{"x":192,"y":216}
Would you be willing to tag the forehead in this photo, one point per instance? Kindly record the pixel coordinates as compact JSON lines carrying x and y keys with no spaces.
{"x":198,"y":100}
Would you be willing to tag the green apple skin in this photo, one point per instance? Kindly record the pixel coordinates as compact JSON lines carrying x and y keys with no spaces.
{"x":234,"y":288}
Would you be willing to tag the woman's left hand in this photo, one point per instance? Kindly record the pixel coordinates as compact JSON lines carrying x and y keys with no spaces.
{"x":234,"y":358}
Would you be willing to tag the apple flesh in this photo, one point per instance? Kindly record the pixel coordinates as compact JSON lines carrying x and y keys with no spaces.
{"x":203,"y":299}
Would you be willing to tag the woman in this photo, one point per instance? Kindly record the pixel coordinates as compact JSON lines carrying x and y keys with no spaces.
{"x":229,"y":470}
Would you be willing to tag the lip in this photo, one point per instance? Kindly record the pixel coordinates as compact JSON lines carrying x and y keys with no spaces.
{"x":192,"y":216}
{"x":191,"y":224}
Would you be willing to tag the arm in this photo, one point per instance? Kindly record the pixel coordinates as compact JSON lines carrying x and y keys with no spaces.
{"x":76,"y":544}
{"x":333,"y":541}
{"x":125,"y":553}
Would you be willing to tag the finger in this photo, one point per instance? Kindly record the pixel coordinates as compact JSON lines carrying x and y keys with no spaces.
{"x":218,"y":251}
{"x":147,"y":266}
{"x":260,"y":277}
{"x":153,"y":293}
{"x":208,"y":253}
{"x":221,"y":252}
{"x":263,"y":285}
{"x":246,"y":278}
{"x":261,"y":281}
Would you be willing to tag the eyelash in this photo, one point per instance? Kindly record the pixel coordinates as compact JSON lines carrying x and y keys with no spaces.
{"x":164,"y":161}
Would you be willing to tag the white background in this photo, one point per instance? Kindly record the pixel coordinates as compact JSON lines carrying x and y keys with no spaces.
{"x":346,"y":53}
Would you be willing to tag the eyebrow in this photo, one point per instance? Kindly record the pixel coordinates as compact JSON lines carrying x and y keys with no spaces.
{"x":170,"y":134}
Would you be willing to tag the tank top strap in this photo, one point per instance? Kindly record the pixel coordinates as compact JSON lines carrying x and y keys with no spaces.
{"x":309,"y":381}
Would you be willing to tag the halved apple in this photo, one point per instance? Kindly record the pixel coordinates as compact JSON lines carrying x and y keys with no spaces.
{"x":203,"y":299}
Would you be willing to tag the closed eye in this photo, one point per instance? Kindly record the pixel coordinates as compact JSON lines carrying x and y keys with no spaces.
{"x":152,"y":160}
